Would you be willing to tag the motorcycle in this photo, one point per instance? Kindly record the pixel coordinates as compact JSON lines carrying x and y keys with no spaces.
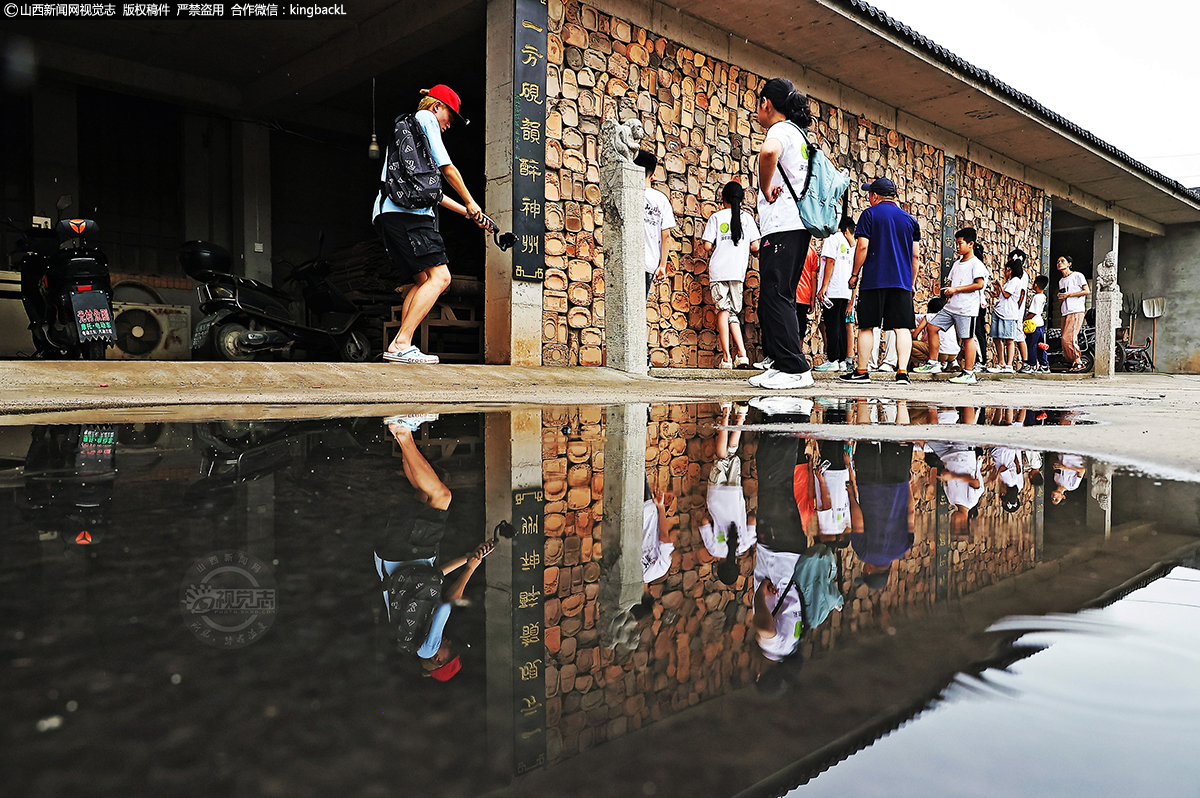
{"x":70,"y":471}
{"x":65,"y":287}
{"x":1087,"y":345}
{"x":246,"y":318}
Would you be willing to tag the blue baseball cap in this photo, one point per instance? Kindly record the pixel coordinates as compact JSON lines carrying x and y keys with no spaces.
{"x":882,"y":186}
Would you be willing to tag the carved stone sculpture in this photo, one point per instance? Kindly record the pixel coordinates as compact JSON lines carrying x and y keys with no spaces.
{"x":620,"y":142}
{"x":1106,"y":273}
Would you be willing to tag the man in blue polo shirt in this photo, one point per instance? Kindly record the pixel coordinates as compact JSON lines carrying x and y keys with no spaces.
{"x":885,"y":261}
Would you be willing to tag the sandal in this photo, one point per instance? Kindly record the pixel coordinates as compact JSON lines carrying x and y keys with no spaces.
{"x":410,"y":354}
{"x":1077,"y":368}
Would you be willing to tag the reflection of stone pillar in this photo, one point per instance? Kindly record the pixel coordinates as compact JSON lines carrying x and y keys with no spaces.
{"x":623,"y":195}
{"x":1099,"y":507}
{"x":513,"y":460}
{"x":259,"y":501}
{"x":1106,"y":295}
{"x":621,"y":584}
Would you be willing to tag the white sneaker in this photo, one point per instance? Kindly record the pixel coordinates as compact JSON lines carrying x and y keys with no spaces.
{"x":783,"y":381}
{"x":725,"y":364}
{"x":884,"y":367}
{"x":765,"y":363}
{"x":994,"y":369}
{"x":966,"y":378}
{"x":829,"y":365}
{"x":932,"y":367}
{"x":757,"y":379}
{"x":779,"y":405}
{"x":1007,"y":370}
{"x":410,"y":423}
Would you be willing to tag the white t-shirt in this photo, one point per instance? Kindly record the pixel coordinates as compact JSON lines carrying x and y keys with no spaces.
{"x":1066,"y":478}
{"x":778,"y":566}
{"x":1037,"y":306}
{"x":437,"y":151}
{"x":947,"y":343}
{"x":656,"y":555}
{"x":782,"y":214}
{"x":1009,"y":460}
{"x":834,"y":519}
{"x":1068,"y":285}
{"x":659,"y":217}
{"x":964,"y":463}
{"x":1009,"y":307}
{"x":965,"y":272}
{"x":841,"y":252}
{"x":729,"y":261}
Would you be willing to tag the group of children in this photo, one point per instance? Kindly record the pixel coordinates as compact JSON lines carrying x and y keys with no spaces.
{"x":1018,"y":324}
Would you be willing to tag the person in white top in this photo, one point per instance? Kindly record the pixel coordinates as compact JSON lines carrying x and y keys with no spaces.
{"x":728,"y":530}
{"x":783,"y":162}
{"x":656,"y":536}
{"x":660,"y":221}
{"x":1010,"y":476}
{"x":1069,"y":471}
{"x":834,"y":294}
{"x":1036,"y":356}
{"x":729,"y":239}
{"x":1072,"y":289}
{"x":948,"y":348}
{"x":1006,"y":317}
{"x":967,"y":279}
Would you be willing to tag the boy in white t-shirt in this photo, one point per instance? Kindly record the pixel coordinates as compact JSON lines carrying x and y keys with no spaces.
{"x":1036,"y":358}
{"x":729,"y":239}
{"x":660,"y":221}
{"x":968,"y":276}
{"x":1072,"y":289}
{"x":834,"y":294}
{"x":1006,"y":317}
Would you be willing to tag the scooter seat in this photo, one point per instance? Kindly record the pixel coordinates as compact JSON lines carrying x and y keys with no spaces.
{"x":255,"y":285}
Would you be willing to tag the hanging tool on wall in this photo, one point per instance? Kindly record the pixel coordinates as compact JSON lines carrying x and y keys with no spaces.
{"x":1153,"y":308}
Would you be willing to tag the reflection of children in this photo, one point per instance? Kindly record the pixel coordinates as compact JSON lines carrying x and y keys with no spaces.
{"x":729,"y":238}
{"x":729,"y":532}
{"x":1068,"y":473}
{"x":1010,"y":473}
{"x":413,"y":535}
{"x":834,"y":483}
{"x":961,"y":474}
{"x":656,"y":537}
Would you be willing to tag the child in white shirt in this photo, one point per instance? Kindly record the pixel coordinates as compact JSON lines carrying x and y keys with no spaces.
{"x":729,"y":239}
{"x":1006,"y":317}
{"x":1037,"y":358}
{"x":968,"y":276}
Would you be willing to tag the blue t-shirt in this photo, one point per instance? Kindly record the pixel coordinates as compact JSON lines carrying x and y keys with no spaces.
{"x":433,"y":134}
{"x":885,"y":537}
{"x":891,"y":231}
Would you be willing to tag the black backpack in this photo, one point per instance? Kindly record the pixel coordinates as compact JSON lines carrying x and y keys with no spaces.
{"x":414,"y":590}
{"x":413,"y":180}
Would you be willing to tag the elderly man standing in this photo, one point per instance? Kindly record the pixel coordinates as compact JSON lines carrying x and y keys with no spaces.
{"x":885,"y":261}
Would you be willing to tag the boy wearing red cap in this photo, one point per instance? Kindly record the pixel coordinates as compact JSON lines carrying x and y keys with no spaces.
{"x":411,"y":235}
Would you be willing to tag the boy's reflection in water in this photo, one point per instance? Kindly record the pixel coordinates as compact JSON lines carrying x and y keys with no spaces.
{"x":414,"y":533}
{"x":727,"y":529}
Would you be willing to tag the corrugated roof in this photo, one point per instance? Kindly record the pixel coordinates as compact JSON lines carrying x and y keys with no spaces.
{"x":938,"y":52}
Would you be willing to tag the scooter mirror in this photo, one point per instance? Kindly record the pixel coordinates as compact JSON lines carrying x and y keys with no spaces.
{"x":64,"y":202}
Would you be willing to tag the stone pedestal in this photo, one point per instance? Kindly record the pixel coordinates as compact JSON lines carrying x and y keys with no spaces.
{"x":1108,"y":319}
{"x":623,"y":196}
{"x":1099,"y":506}
{"x":621,"y":584}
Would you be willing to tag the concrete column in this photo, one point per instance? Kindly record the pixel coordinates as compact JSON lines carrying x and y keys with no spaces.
{"x":623,"y":195}
{"x":1106,"y":298}
{"x":258,"y":499}
{"x":251,"y":244}
{"x":512,"y":453}
{"x":56,"y":151}
{"x":512,"y":309}
{"x":621,"y":583}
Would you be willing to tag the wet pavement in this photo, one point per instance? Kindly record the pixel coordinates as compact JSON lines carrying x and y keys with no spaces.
{"x":197,"y":607}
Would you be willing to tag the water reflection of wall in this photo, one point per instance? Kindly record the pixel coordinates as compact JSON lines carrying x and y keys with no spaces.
{"x":698,"y":642}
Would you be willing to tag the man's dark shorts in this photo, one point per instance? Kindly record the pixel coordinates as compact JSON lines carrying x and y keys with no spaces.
{"x":883,"y":463}
{"x":889,"y":308}
{"x":413,"y":531}
{"x":413,"y":244}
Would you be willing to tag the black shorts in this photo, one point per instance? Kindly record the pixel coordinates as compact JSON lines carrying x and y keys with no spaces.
{"x":889,"y":308}
{"x":882,"y":462}
{"x":413,"y":531}
{"x":413,"y":244}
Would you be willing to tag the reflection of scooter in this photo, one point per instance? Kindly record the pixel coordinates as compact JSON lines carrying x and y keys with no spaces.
{"x":65,"y":287}
{"x":247,"y":318}
{"x":69,"y":476}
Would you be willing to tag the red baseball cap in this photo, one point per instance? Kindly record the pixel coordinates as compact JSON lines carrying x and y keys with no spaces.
{"x":450,"y":98}
{"x":445,"y":673}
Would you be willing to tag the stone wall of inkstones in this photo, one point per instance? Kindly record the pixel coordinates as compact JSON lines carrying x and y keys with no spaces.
{"x":698,"y":643}
{"x":698,"y":113}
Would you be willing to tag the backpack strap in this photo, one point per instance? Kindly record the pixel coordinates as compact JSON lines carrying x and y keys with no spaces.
{"x":812,"y":155}
{"x":783,"y":594}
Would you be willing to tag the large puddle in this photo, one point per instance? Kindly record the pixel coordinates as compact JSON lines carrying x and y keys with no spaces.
{"x":685,"y":599}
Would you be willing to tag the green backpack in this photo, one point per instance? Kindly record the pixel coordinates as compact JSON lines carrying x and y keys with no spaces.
{"x":820,"y":201}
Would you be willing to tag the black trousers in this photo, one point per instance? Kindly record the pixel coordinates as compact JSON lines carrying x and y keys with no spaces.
{"x":779,"y":525}
{"x":780,"y":263}
{"x":836,"y":345}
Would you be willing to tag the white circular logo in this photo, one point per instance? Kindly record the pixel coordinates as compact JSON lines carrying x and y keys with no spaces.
{"x":228,"y":598}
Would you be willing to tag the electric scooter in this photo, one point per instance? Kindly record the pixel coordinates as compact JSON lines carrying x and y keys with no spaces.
{"x":246,"y":318}
{"x":65,"y":287}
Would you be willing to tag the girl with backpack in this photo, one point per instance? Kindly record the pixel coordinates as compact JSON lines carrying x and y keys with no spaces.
{"x":730,"y":237}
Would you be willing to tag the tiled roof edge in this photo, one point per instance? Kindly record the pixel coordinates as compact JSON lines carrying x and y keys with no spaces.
{"x":940,"y":53}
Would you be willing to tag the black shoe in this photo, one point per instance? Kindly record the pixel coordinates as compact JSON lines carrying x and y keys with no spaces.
{"x":854,"y":376}
{"x":902,"y":377}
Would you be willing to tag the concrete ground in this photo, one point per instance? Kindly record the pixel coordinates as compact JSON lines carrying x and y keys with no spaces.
{"x":1147,"y":421}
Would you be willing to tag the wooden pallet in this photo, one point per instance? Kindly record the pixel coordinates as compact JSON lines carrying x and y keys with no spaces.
{"x":453,"y":330}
